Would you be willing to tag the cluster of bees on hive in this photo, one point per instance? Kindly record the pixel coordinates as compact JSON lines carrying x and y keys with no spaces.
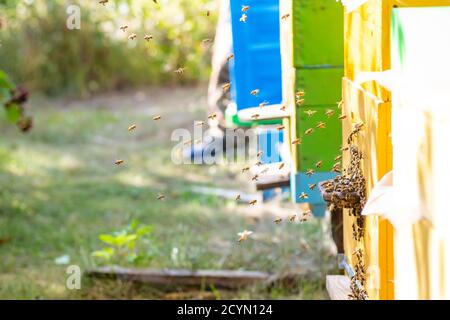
{"x":352,"y":185}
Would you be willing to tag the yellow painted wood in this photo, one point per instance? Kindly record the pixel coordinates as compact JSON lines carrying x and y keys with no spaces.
{"x":367,"y":49}
{"x":375,"y":145}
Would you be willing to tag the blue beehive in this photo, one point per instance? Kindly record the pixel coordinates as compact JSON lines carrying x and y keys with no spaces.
{"x":257,"y":56}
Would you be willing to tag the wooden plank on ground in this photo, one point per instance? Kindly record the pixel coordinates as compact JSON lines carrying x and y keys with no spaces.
{"x":219,"y":278}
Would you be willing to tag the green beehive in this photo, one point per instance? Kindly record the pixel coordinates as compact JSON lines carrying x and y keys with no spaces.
{"x":312,"y":54}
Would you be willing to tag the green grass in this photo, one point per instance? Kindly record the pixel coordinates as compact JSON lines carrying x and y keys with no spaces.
{"x":59,"y":190}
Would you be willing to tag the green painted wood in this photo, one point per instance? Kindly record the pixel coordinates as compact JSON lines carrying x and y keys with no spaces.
{"x":318,"y":60}
{"x":318,"y":27}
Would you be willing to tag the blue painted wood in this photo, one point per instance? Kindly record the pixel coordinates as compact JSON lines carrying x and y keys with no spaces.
{"x":257,"y":55}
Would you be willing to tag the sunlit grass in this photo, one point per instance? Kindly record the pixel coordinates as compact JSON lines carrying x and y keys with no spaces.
{"x":60,"y":189}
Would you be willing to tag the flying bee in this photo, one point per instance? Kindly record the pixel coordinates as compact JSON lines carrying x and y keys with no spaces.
{"x":243,"y":18}
{"x":309,"y":172}
{"x":124,"y":27}
{"x":342,"y":117}
{"x":118,"y":162}
{"x":238,"y":197}
{"x":179,"y":71}
{"x":303,"y":196}
{"x":244,"y":235}
{"x":299,"y":94}
{"x":231,"y":56}
{"x":321,"y":125}
{"x":336,"y":168}
{"x":279,"y":128}
{"x":281,"y":166}
{"x":148,"y":37}
{"x":103,"y":2}
{"x":340,"y":103}
{"x":299,"y":102}
{"x":253,"y":202}
{"x":245,"y":169}
{"x":212,"y":116}
{"x":319,"y":164}
{"x":278,"y":221}
{"x":310,"y":113}
{"x":245,"y":8}
{"x":292,"y":217}
{"x":263,"y":104}
{"x":339,"y":157}
{"x":343,"y":148}
{"x":206,"y":41}
{"x":283,"y":108}
{"x":132,"y":36}
{"x":160,"y":197}
{"x":264,"y":171}
{"x":255,"y":177}
{"x":329,"y":113}
{"x":285,"y":16}
{"x":255,"y":116}
{"x":312,"y":186}
{"x":296,"y":141}
{"x":226,"y":86}
{"x":260,"y":153}
{"x":258,"y":163}
{"x":309,"y":131}
{"x":132,"y":127}
{"x":305,"y":216}
{"x":156,"y":118}
{"x":254,"y":92}
{"x":208,"y":13}
{"x":358,"y":126}
{"x":200,"y":123}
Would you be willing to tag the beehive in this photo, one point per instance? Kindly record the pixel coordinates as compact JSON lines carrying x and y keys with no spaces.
{"x":368,"y":49}
{"x":312,"y":62}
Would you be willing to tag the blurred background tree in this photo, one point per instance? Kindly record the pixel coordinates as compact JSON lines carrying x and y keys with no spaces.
{"x":38,"y":50}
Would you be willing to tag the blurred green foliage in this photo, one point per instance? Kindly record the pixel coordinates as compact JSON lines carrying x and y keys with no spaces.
{"x":38,"y":49}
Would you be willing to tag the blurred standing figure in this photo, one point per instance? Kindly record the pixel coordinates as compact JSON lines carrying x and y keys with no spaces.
{"x":218,"y":98}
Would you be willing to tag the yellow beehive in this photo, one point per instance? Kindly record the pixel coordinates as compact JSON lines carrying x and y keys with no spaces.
{"x":367,"y":54}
